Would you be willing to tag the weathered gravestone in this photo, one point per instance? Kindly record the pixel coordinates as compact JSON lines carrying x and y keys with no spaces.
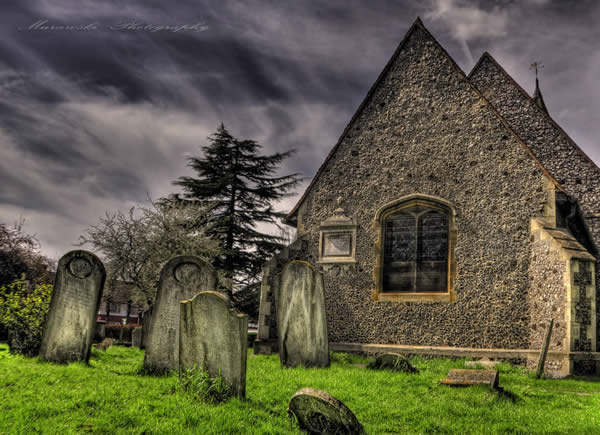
{"x":136,"y":337}
{"x":318,"y":412}
{"x":71,"y":320}
{"x":181,"y":278}
{"x":394,"y":362}
{"x":214,"y":336}
{"x":301,"y":320}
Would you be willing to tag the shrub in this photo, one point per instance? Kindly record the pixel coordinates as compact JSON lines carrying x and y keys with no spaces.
{"x":200,"y":385}
{"x":22,"y":312}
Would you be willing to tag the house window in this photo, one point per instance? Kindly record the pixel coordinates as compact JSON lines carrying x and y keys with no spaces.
{"x":415,"y":259}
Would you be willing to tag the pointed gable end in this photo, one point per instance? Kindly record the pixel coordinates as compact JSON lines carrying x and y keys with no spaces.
{"x":417,"y":38}
{"x":550,"y":144}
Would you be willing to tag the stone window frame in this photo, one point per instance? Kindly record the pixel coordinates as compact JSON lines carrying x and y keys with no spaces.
{"x":388,"y":209}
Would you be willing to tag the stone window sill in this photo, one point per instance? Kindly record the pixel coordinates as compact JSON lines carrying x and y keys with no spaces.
{"x":337,"y":260}
{"x":414,"y":297}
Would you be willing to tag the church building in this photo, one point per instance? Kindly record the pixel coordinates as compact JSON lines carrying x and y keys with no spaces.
{"x":453,"y":217}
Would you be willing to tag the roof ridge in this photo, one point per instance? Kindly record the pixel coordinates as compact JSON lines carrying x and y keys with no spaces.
{"x":416,"y":24}
{"x":524,"y":92}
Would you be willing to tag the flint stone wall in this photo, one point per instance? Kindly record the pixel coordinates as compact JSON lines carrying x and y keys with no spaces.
{"x":301,"y":319}
{"x":547,"y":296}
{"x":427,"y":130}
{"x":547,"y":299}
{"x":550,"y":144}
{"x":71,"y":320}
{"x":181,"y":278}
{"x":214,"y":336}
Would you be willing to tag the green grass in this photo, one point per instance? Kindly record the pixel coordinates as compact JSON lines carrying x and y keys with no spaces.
{"x":109,"y":396}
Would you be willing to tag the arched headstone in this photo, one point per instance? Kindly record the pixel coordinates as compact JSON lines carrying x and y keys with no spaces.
{"x":301,"y":319}
{"x":318,"y":412}
{"x":71,"y":321}
{"x":214,"y":336}
{"x":181,"y":278}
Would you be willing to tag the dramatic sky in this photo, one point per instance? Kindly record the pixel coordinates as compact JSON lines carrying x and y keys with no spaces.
{"x":101,"y":119}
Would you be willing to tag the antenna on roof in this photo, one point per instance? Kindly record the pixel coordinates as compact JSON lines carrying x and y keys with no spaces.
{"x":536,"y":65}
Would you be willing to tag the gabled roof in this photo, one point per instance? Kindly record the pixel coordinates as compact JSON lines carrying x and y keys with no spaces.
{"x":489,"y":57}
{"x":418,"y":24}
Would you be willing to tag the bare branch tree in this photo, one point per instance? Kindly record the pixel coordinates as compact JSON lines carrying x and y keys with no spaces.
{"x":19,"y":254}
{"x":134,"y":245}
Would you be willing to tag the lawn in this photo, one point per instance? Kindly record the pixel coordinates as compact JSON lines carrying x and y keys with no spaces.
{"x":109,"y":396}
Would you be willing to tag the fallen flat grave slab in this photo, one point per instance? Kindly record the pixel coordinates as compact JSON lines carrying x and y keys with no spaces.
{"x":466,"y":377}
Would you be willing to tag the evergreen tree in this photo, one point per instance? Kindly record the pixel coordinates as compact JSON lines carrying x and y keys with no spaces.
{"x":240,"y":186}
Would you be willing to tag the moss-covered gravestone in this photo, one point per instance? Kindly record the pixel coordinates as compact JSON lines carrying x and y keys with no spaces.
{"x":181,"y":278}
{"x":318,"y":412}
{"x":71,"y":320}
{"x":214,"y":336}
{"x":394,"y":362}
{"x":301,"y":320}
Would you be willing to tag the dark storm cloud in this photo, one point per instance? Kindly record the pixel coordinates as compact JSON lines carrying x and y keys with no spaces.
{"x":98,"y":120}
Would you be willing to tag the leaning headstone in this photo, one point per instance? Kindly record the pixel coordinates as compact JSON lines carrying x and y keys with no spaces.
{"x":71,"y":320}
{"x":181,"y":278}
{"x":301,"y":320}
{"x":394,"y":362}
{"x":136,"y":337}
{"x":544,"y":351}
{"x":466,"y":377}
{"x":213,"y":336}
{"x":318,"y":412}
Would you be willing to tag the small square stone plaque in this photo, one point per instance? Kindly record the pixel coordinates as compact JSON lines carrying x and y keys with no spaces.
{"x":337,"y":245}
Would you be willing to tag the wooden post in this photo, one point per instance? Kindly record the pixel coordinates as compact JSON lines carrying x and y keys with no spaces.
{"x":544,"y":350}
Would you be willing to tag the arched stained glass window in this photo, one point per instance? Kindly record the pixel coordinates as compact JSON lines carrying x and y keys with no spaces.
{"x":416,"y":250}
